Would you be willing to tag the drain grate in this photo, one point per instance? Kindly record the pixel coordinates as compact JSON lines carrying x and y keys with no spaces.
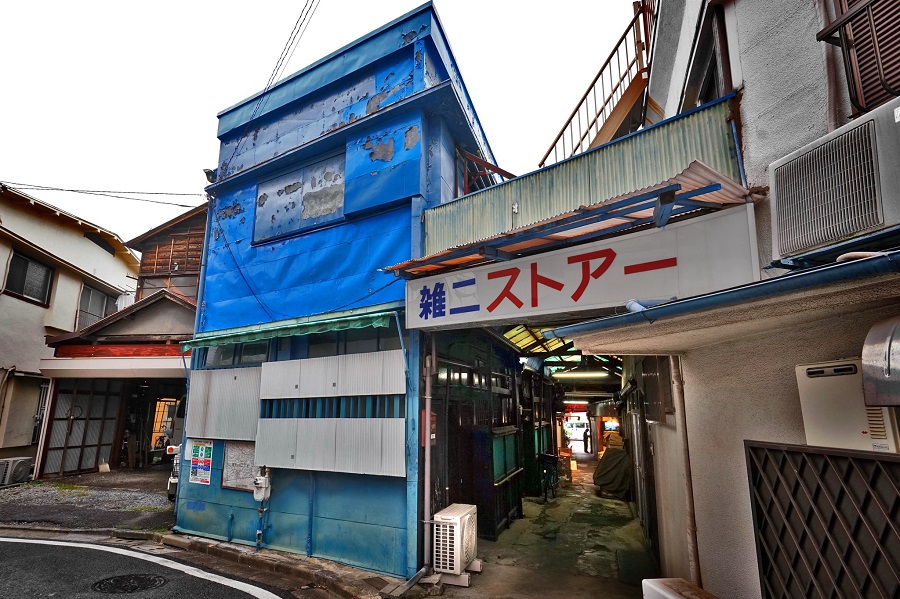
{"x":128,"y":583}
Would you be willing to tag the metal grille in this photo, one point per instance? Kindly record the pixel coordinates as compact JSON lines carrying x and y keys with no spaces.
{"x":826,"y":521}
{"x":445,"y":546}
{"x":830,"y":193}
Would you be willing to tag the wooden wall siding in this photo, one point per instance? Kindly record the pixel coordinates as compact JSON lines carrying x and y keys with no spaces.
{"x":119,"y":351}
{"x":182,"y":245}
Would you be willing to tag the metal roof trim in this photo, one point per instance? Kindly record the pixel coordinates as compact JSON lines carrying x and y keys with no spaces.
{"x":888,"y":263}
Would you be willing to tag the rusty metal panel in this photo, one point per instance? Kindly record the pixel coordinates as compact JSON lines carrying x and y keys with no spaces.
{"x":224,"y":404}
{"x":276,"y":443}
{"x":632,"y":163}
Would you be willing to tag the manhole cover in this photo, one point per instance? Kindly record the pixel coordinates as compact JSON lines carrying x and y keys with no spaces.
{"x":128,"y":583}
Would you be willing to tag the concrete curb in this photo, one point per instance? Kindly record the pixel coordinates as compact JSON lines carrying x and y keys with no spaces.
{"x":342,"y":580}
{"x":338,"y":579}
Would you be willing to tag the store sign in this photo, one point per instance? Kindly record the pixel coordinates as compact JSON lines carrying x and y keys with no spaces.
{"x":688,"y":258}
{"x":201,"y":461}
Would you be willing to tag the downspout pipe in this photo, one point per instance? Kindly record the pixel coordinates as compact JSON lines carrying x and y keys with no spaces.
{"x":691,"y":531}
{"x":430,"y":367}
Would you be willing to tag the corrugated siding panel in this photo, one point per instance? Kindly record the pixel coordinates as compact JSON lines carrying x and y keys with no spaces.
{"x":276,"y":443}
{"x":376,"y":373}
{"x":195,"y":424}
{"x":316,"y":444}
{"x":374,"y":446}
{"x":280,"y":379}
{"x":318,"y":378}
{"x":224,"y":404}
{"x":636,"y":162}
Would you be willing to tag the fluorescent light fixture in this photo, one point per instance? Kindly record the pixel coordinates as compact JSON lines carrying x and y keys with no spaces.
{"x":572,"y":402}
{"x":574,"y":374}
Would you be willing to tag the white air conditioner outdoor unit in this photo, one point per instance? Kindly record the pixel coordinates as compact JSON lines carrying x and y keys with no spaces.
{"x":17,"y":470}
{"x":843,"y":185}
{"x":834,"y":410}
{"x":455,"y":538}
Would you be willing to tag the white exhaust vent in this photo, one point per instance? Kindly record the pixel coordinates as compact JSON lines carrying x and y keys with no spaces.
{"x":455,"y":538}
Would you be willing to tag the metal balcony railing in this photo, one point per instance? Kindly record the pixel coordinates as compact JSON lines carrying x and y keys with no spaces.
{"x":621,"y":79}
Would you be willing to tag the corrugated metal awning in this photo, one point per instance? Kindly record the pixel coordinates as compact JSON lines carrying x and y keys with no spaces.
{"x":696,"y":189}
{"x":290,"y":329}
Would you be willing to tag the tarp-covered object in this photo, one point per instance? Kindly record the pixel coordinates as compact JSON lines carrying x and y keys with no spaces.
{"x":614,"y":473}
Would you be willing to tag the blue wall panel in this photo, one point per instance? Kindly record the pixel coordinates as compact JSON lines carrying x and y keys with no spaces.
{"x":358,"y":520}
{"x":324,"y":270}
{"x":383,"y":165}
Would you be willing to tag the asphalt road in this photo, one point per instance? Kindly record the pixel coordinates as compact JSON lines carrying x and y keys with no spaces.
{"x":31,"y":568}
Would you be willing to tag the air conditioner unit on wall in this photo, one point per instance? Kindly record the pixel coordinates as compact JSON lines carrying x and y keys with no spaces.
{"x":834,"y":410}
{"x":842,"y":186}
{"x":15,"y":470}
{"x":455,"y":538}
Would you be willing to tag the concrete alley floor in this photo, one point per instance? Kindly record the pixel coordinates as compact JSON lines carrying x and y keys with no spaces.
{"x":577,"y":545}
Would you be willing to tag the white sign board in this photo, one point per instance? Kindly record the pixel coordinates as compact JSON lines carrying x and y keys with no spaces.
{"x":687,"y":258}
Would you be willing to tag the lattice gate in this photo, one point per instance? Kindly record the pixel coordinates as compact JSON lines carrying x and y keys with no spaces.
{"x":826,"y":521}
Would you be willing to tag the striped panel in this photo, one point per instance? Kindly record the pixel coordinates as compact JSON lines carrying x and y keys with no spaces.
{"x":356,"y":406}
{"x":276,"y":443}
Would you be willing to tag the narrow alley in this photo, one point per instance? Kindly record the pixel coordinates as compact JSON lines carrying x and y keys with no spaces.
{"x":575,"y":545}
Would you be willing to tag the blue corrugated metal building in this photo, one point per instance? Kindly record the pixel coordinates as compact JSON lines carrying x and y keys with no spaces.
{"x":301,"y":363}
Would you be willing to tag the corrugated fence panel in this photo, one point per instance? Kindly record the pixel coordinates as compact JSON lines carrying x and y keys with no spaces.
{"x":224,"y":404}
{"x":375,"y":373}
{"x":636,"y":162}
{"x":195,"y":425}
{"x":280,"y":379}
{"x":276,"y":443}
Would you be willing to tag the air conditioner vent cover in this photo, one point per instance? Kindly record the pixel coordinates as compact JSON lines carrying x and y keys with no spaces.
{"x":829,"y":193}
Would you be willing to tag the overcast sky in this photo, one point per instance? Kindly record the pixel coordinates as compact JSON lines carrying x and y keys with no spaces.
{"x":123,"y":96}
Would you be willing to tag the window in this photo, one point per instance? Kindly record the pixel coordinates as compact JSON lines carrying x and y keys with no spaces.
{"x":29,"y":279}
{"x":186,"y":285}
{"x":307,"y":197}
{"x":220,"y":355}
{"x":709,"y":76}
{"x":866,"y":31}
{"x":94,"y":306}
{"x":254,"y":353}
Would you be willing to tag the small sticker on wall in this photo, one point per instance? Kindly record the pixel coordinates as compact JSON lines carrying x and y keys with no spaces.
{"x":201,"y":461}
{"x":897,"y":115}
{"x":880,"y":447}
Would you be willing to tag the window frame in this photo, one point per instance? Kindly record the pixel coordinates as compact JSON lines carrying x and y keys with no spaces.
{"x":26,"y":298}
{"x":106,"y":308}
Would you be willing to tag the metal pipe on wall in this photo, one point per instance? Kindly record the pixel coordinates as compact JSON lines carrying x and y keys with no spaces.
{"x":832,"y":106}
{"x":678,"y":399}
{"x":430,"y":362}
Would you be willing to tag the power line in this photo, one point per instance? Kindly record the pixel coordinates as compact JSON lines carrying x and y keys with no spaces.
{"x":293,"y":39}
{"x":30,"y":187}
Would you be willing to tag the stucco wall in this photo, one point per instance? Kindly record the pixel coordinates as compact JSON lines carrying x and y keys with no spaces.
{"x":751,"y":397}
